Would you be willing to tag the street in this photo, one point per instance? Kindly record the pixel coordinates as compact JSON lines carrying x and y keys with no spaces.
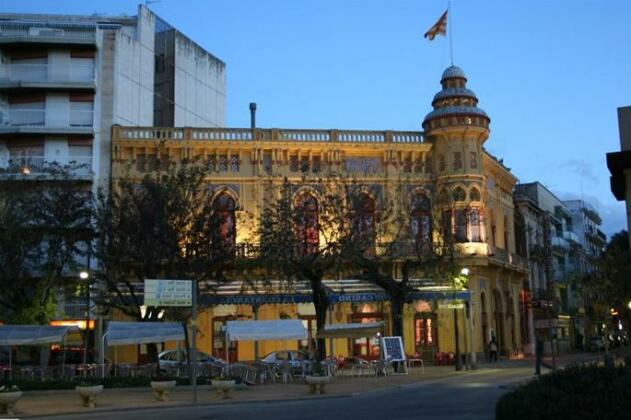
{"x":469,"y":395}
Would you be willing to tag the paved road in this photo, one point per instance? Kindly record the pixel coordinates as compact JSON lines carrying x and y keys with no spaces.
{"x":470,"y":395}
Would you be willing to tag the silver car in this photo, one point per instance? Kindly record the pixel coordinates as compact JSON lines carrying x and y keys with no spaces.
{"x":171,"y":360}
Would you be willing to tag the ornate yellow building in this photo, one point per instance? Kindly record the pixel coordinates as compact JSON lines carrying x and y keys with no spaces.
{"x":447,"y":157}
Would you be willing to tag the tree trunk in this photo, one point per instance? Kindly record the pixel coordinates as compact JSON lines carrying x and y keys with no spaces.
{"x":396,"y":311}
{"x":321,"y":304}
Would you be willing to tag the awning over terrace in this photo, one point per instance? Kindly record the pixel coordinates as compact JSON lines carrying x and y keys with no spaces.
{"x":352,"y":330}
{"x":270,"y":292}
{"x":32,"y":335}
{"x":283,"y":329}
{"x":123,"y":333}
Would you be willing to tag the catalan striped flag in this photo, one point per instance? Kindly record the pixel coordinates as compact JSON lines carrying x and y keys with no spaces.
{"x":439,"y":28}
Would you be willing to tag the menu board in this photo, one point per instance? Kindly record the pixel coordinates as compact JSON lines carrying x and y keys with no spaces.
{"x":393,"y":349}
{"x":168,"y":292}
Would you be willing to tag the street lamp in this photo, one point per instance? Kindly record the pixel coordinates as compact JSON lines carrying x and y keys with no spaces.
{"x":84,"y":275}
{"x":458,"y":283}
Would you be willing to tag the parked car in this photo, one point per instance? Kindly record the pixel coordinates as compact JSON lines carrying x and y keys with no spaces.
{"x":177,"y":358}
{"x":596,"y":344}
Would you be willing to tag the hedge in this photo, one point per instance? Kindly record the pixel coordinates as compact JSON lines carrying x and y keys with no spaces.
{"x":576,"y":392}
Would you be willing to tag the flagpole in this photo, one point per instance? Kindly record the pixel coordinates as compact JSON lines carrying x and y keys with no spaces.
{"x":451,"y":34}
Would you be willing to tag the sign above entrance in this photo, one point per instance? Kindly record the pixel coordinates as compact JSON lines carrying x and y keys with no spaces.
{"x":168,"y":292}
{"x":451,"y":305}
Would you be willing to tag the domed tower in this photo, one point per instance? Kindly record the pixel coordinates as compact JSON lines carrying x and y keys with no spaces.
{"x":458,"y":129}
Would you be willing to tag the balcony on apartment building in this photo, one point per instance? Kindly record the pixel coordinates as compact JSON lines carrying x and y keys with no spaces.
{"x":504,"y":257}
{"x":38,"y":120}
{"x":559,"y":242}
{"x":28,"y":167}
{"x":70,"y":76}
{"x":571,"y":236}
{"x":15,"y":33}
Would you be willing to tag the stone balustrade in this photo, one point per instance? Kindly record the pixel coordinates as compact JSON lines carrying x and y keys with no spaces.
{"x":259,"y":134}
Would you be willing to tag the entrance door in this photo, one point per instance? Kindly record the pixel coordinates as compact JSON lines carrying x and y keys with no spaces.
{"x":366,"y":347}
{"x":219,"y":340}
{"x":425,"y":336}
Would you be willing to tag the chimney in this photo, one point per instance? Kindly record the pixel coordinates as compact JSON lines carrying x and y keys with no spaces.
{"x":252,"y":115}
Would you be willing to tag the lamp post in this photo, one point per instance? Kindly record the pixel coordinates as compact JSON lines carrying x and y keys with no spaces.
{"x":85,"y":276}
{"x":457,"y":286}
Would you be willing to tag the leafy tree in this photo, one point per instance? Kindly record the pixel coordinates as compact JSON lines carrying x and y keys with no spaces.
{"x":160,"y":224}
{"x":45,"y":228}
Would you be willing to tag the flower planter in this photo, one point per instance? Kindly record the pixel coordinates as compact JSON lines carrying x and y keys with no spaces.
{"x":317,"y":383}
{"x":223,"y":387}
{"x":8,"y":400}
{"x":88,"y":394}
{"x":161,"y":389}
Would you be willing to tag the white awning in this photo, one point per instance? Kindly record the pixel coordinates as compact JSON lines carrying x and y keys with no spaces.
{"x":354,"y":330}
{"x":32,"y":335}
{"x":123,"y":333}
{"x":284,"y":329}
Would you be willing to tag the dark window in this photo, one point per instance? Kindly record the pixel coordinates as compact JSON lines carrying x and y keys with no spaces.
{"x":421,"y":220}
{"x":316,"y":164}
{"x":459,"y":194}
{"x":460,"y":233}
{"x":293,"y":163}
{"x":474,"y":194}
{"x":304,"y":164}
{"x":363,"y":222}
{"x":223,"y":226}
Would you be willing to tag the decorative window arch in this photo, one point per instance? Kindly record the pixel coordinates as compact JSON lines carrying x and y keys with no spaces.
{"x":363,"y":220}
{"x":474,"y":194}
{"x":307,"y":228}
{"x":421,"y":219}
{"x":459,"y":194}
{"x":223,"y":225}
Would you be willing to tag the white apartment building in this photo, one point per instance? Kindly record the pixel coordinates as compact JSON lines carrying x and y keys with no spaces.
{"x":65,"y":80}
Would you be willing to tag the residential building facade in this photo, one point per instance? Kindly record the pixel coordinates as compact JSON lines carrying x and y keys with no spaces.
{"x":65,"y":79}
{"x":447,"y":157}
{"x":619,"y":164}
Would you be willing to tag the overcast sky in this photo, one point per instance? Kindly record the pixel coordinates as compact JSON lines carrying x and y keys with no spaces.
{"x":550,"y":74}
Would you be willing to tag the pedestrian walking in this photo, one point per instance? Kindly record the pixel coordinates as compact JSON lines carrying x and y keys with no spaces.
{"x":493,"y":349}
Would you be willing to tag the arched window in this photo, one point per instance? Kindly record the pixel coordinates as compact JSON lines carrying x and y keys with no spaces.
{"x":459,"y":194}
{"x":421,"y":220}
{"x":308,"y":224}
{"x":224,"y":227}
{"x":363,"y":221}
{"x":474,"y":194}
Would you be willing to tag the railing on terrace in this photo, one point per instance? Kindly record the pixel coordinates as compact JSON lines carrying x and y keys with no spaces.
{"x":19,"y":117}
{"x":51,"y":72}
{"x":259,"y":134}
{"x":29,"y":31}
{"x":37,"y":165}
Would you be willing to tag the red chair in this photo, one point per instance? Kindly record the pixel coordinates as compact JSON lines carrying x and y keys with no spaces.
{"x":451,"y":358}
{"x":441,"y":358}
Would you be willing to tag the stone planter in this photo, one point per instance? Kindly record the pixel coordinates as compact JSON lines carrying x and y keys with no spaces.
{"x":223,"y":387}
{"x":88,"y":394}
{"x":161,"y":389}
{"x":317,"y":383}
{"x":8,"y":400}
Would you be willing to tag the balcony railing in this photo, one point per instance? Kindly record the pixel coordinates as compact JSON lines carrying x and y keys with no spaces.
{"x":51,"y":72}
{"x":259,"y":134}
{"x":81,"y":166}
{"x":46,"y":33}
{"x":41,"y":118}
{"x":570,"y":236}
{"x":560,"y":242}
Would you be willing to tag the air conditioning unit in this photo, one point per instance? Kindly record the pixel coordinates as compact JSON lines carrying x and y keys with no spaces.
{"x":45,"y":32}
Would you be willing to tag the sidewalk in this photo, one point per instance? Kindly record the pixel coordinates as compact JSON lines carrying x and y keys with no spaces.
{"x":41,"y":403}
